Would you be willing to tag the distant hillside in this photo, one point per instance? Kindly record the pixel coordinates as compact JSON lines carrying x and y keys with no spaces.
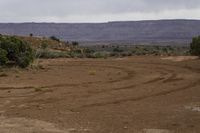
{"x":130,"y":31}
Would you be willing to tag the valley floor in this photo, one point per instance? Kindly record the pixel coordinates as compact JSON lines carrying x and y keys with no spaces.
{"x":138,"y":94}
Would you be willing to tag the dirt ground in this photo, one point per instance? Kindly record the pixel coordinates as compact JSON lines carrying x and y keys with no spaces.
{"x":128,"y":95}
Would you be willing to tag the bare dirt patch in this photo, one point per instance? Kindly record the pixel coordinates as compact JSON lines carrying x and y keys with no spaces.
{"x":22,"y":125}
{"x":180,"y":58}
{"x":155,"y":131}
{"x":134,"y":95}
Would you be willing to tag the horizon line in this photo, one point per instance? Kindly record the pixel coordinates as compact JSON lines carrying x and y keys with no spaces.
{"x":26,"y":22}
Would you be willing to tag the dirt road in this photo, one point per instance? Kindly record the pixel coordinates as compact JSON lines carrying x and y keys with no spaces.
{"x":129,"y":95}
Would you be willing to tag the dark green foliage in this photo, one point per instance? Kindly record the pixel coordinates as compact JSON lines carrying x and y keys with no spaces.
{"x":55,"y":38}
{"x":31,"y":34}
{"x":88,"y":51}
{"x":79,"y":51}
{"x":195,"y":46}
{"x":75,"y":44}
{"x":3,"y":56}
{"x":16,"y":51}
{"x":117,"y":50}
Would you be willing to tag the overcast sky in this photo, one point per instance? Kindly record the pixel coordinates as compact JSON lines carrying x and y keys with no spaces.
{"x":96,"y":10}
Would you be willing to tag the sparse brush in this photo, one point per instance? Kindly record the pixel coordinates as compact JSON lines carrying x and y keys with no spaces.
{"x":35,"y":65}
{"x":47,"y":54}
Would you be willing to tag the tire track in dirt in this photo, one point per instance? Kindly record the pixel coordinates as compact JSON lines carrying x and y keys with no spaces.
{"x":170,"y":79}
{"x":166,"y":71}
{"x":173,"y":78}
{"x":161,"y":77}
{"x":154,"y":80}
{"x":16,"y":88}
{"x":196,"y":70}
{"x":130,"y":74}
{"x":31,"y":93}
{"x":137,"y":98}
{"x":113,"y":89}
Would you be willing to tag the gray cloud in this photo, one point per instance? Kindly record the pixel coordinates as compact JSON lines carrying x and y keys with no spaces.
{"x":96,"y":10}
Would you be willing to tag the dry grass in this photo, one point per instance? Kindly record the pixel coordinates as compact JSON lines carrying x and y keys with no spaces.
{"x":92,"y":72}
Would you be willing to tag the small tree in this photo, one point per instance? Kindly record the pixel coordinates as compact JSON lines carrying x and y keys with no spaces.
{"x":75,"y":44}
{"x":31,"y":34}
{"x":15,"y":50}
{"x":3,"y":56}
{"x":55,"y":38}
{"x":195,"y":46}
{"x":117,"y":49}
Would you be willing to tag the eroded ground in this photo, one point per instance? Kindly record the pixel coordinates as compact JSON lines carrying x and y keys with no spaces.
{"x":129,"y":95}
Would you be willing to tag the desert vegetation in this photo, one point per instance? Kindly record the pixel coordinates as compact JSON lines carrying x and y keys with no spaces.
{"x":21,"y":51}
{"x":195,"y":46}
{"x":15,"y":51}
{"x":76,"y":91}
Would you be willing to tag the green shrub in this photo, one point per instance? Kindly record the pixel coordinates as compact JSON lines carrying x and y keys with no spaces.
{"x":55,"y":38}
{"x":195,"y":46}
{"x":114,"y":54}
{"x":88,"y":51}
{"x":75,"y":44}
{"x":79,"y":51}
{"x":117,"y":49}
{"x":3,"y":56}
{"x":74,"y":54}
{"x":16,"y":51}
{"x":23,"y":61}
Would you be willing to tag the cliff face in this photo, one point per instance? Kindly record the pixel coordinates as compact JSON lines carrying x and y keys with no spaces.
{"x":139,"y":31}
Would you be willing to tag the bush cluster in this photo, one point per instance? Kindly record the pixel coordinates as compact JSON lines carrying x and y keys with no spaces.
{"x":15,"y":51}
{"x":3,"y":56}
{"x":195,"y":46}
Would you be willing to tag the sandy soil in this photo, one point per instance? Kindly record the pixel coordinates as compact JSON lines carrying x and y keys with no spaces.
{"x":180,"y":58}
{"x":129,"y":95}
